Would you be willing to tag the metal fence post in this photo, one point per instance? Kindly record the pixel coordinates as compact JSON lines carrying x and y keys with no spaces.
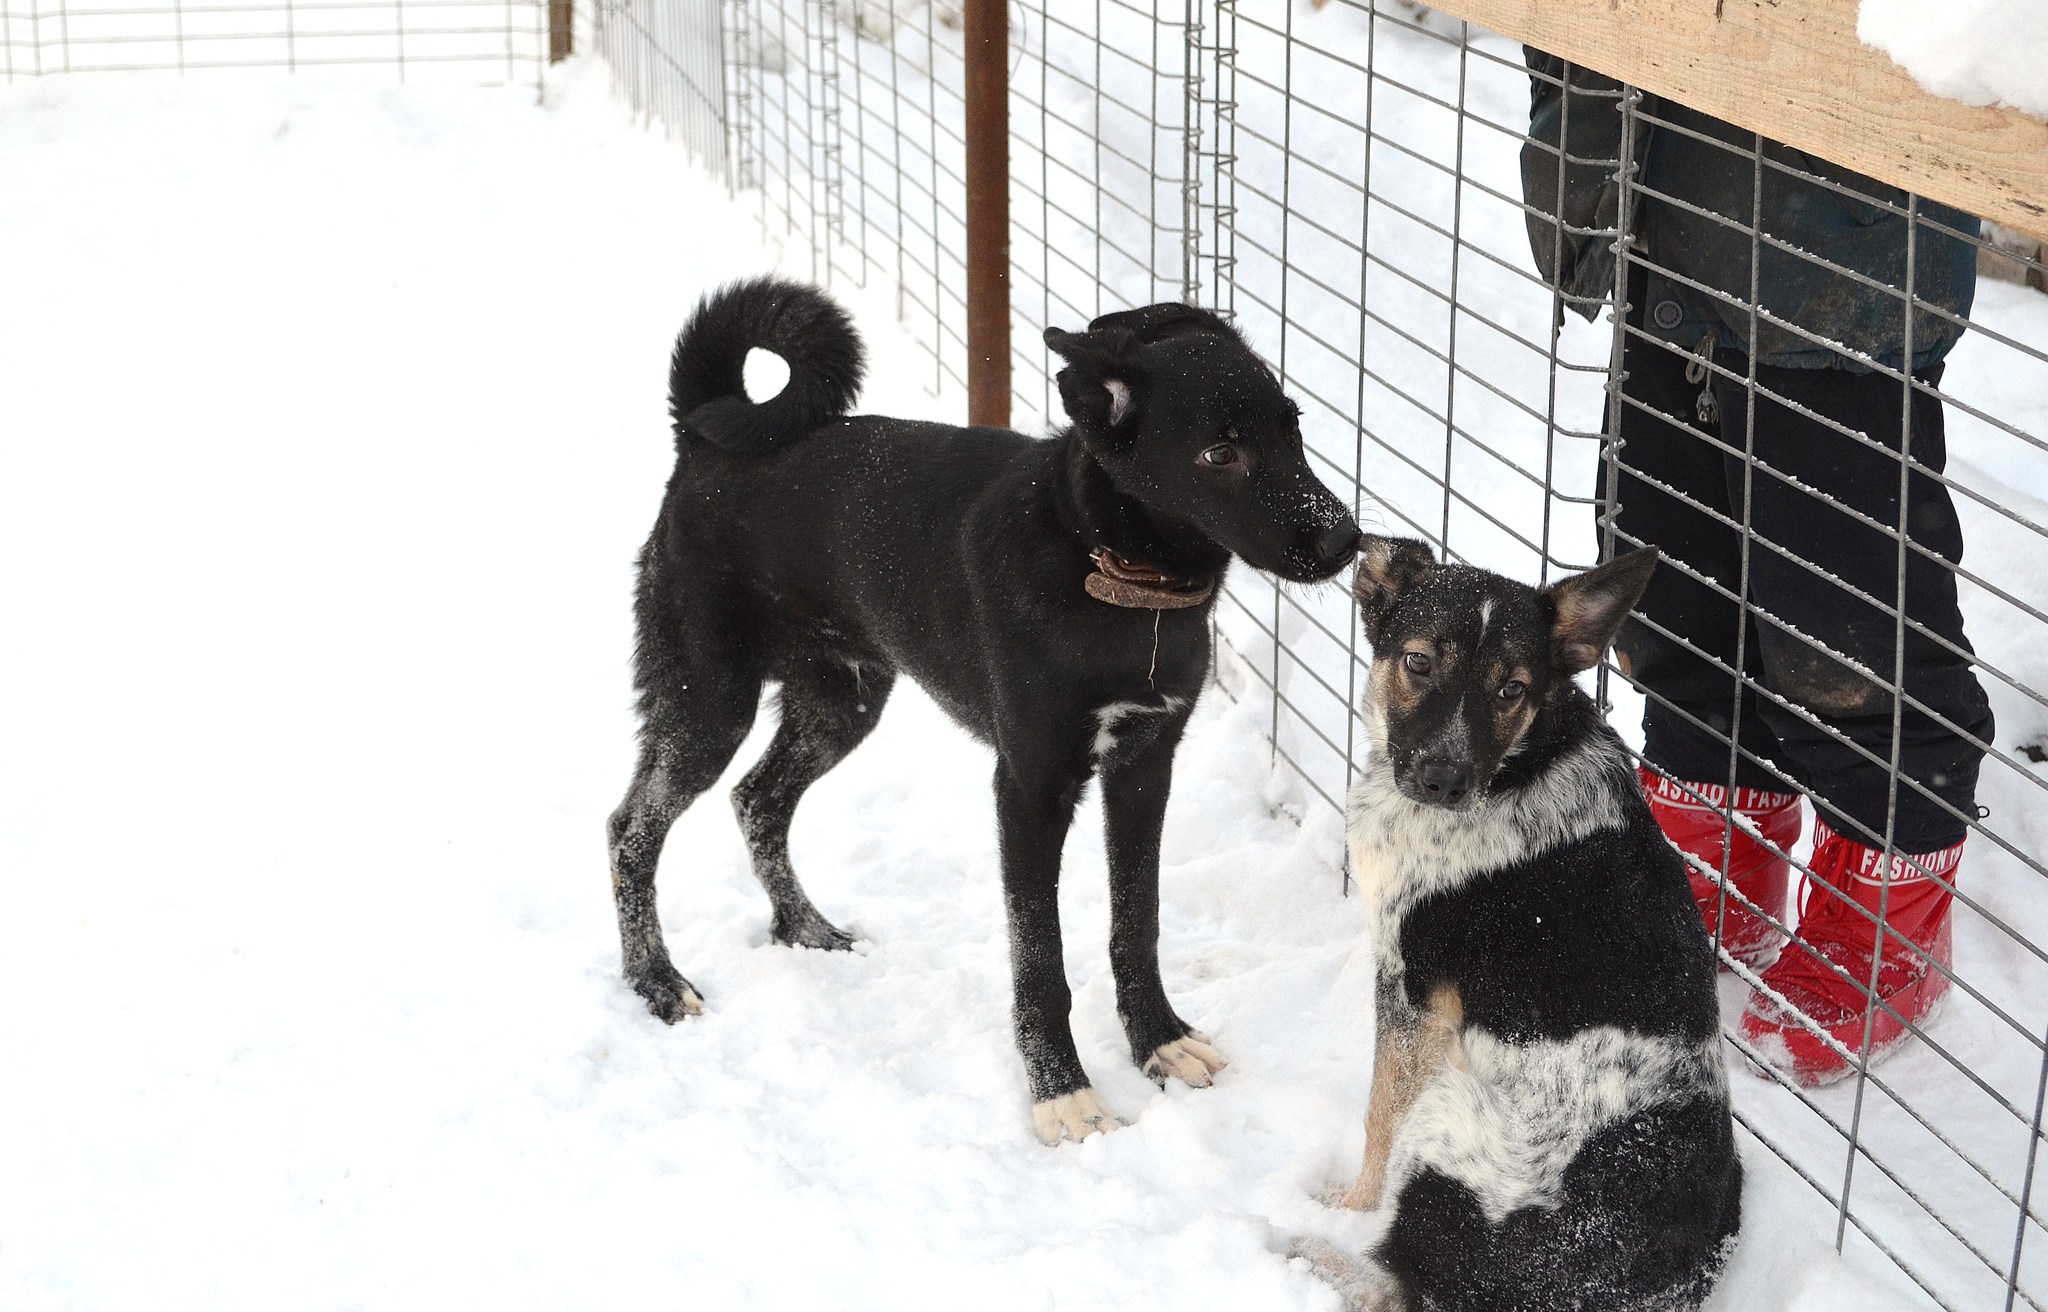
{"x":988,"y":211}
{"x":561,"y":30}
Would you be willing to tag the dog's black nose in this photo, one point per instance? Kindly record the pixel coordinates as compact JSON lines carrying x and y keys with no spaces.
{"x":1444,"y":782}
{"x":1339,"y":544}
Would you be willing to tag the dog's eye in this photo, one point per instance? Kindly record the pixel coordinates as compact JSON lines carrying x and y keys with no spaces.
{"x":1512,"y":690}
{"x":1221,"y":455}
{"x":1418,"y":664}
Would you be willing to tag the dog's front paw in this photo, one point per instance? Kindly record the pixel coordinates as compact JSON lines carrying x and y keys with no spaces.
{"x":668,"y":995}
{"x":1074,"y":1116}
{"x":1188,"y":1059}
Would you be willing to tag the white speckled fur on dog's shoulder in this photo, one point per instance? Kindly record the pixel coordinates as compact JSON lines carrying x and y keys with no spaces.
{"x":1403,"y":850}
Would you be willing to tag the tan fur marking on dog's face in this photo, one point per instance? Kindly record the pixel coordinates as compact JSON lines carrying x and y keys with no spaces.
{"x":1517,"y":723}
{"x":1380,"y":682}
{"x":1406,"y":689}
{"x":1515,"y":716}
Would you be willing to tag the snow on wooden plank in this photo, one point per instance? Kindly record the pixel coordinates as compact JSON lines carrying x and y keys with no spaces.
{"x":1795,"y":71}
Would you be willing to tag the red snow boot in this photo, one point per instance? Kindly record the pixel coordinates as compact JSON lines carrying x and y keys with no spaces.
{"x":1694,"y":818}
{"x":1848,"y":881}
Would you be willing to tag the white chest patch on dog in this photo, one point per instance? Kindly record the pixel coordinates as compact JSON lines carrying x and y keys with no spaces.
{"x":1403,"y":850}
{"x":1108,"y":717}
{"x":1509,"y":1121}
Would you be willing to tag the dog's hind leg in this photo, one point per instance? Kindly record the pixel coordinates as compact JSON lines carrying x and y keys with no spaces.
{"x":696,"y":706}
{"x":826,"y":711}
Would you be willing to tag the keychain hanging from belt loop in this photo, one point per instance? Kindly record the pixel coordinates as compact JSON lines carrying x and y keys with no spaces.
{"x":1698,"y":370}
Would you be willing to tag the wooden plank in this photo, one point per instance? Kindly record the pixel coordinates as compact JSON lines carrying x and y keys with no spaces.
{"x":1794,"y":71}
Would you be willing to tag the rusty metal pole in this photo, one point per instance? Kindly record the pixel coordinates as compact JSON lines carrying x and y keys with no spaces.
{"x":987,"y":131}
{"x":561,"y":30}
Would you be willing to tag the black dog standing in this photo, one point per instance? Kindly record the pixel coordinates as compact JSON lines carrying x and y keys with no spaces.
{"x":1052,"y":595}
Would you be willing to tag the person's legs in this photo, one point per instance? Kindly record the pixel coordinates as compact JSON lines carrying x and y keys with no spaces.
{"x":1827,"y":511}
{"x":1826,"y":573}
{"x":1672,"y":492}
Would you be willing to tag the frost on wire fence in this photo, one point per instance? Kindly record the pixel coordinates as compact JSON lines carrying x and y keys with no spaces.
{"x":1354,"y":186}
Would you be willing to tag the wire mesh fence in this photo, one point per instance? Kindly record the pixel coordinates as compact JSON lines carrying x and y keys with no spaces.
{"x":1105,"y":128}
{"x":1521,"y":331}
{"x":1354,"y":186}
{"x":1811,"y":435}
{"x":669,"y":60}
{"x":841,"y":119}
{"x":464,"y":41}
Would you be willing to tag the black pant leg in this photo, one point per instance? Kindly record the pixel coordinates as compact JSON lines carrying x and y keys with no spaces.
{"x":1810,"y":555}
{"x":1672,"y":490}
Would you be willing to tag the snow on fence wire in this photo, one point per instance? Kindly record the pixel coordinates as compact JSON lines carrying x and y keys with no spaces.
{"x":1346,"y":181}
{"x":463,"y":41}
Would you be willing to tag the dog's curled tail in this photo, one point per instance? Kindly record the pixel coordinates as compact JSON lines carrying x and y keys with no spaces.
{"x":707,"y":395}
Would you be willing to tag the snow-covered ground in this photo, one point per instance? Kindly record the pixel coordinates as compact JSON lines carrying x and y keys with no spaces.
{"x":1981,"y":52}
{"x":330,"y":420}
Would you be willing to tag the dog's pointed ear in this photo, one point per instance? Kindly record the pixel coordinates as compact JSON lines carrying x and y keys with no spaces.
{"x":1588,"y":609}
{"x":1101,"y":386}
{"x":1387,"y":567}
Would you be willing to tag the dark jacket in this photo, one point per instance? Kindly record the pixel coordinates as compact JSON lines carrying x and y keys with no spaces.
{"x":1698,"y":268}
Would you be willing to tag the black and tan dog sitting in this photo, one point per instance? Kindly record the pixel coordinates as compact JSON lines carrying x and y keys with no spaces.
{"x":1052,"y":595}
{"x":1548,"y":1125}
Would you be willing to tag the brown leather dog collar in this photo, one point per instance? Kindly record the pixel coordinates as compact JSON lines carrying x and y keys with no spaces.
{"x":1143,"y":587}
